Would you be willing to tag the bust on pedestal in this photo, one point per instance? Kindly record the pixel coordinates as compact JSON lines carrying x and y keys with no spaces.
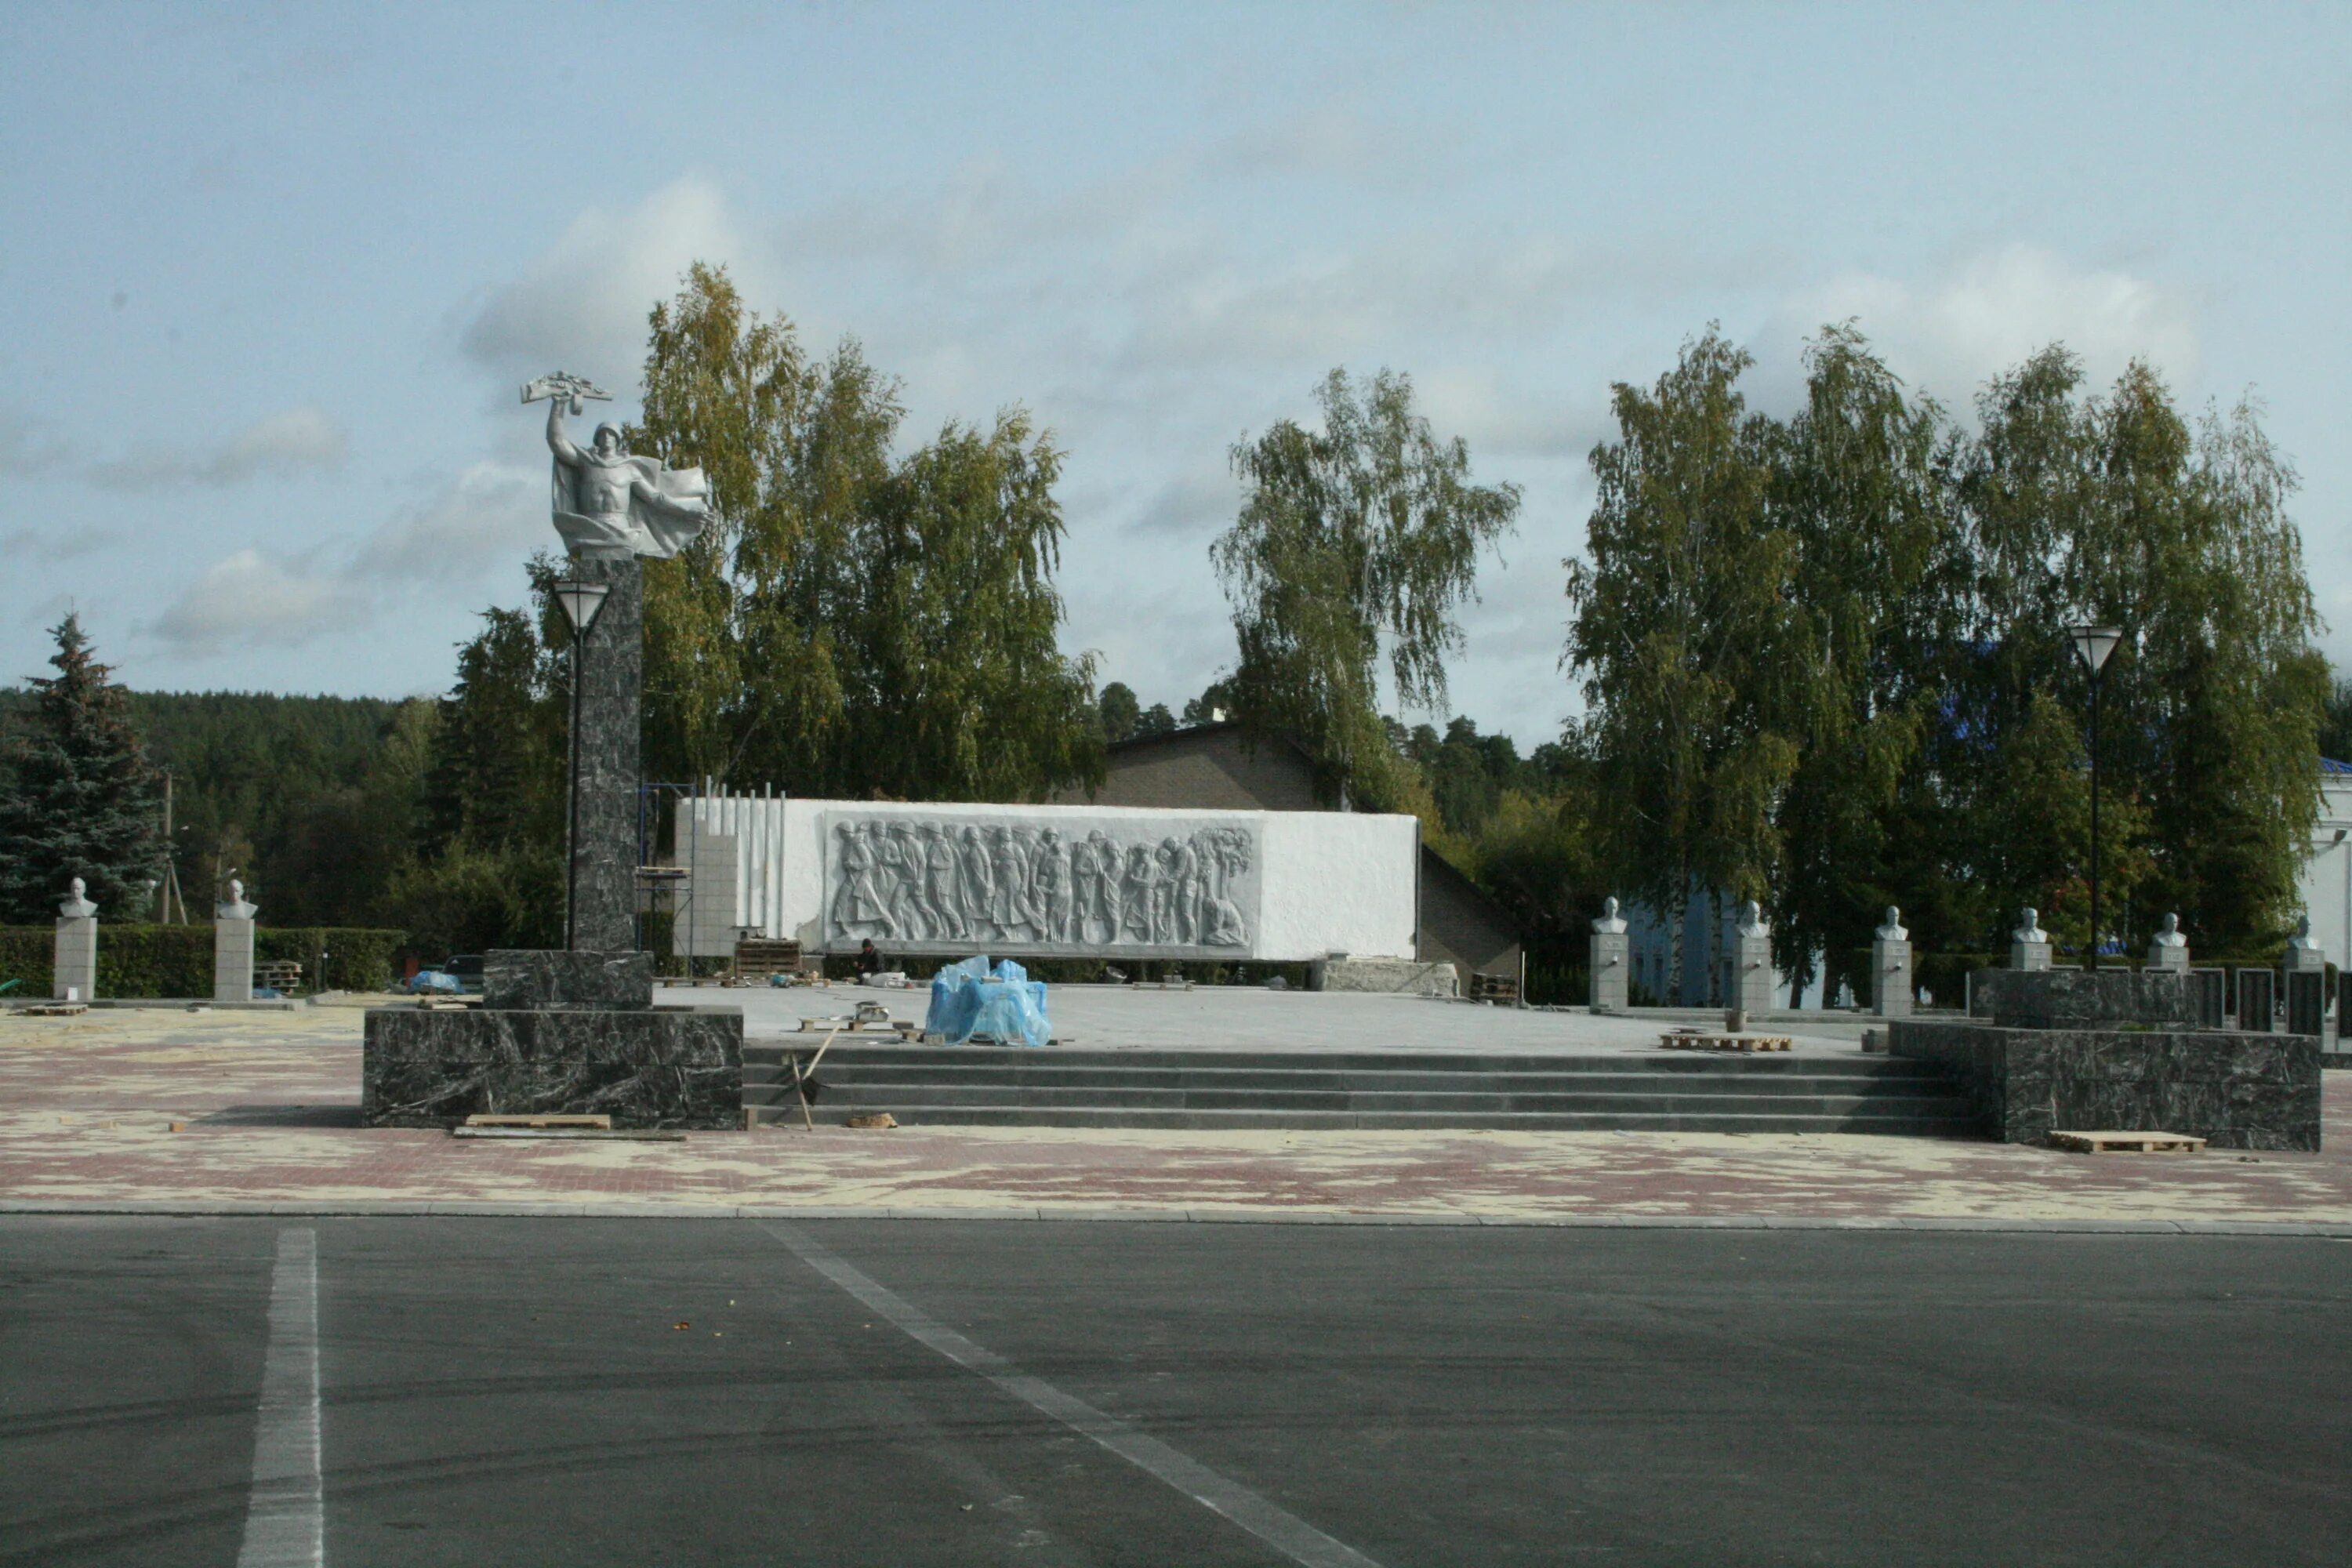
{"x":1611,"y":952}
{"x":1752,"y":977}
{"x":74,"y":968}
{"x":1890,"y":968}
{"x":233,"y":947}
{"x":2029,"y":944}
{"x":2168,"y":949}
{"x":2305,"y":964}
{"x":2304,"y":954}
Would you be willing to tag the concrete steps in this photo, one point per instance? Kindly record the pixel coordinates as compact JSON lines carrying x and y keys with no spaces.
{"x":985,"y":1085}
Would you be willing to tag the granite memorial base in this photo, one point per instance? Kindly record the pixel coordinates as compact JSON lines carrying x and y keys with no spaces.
{"x":567,"y":981}
{"x":2116,"y":1051}
{"x":645,"y":1067}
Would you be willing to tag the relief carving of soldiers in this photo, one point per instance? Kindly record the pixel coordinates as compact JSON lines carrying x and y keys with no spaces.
{"x":939,"y":882}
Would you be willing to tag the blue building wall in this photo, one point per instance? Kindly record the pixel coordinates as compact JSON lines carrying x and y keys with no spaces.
{"x":1707,"y":946}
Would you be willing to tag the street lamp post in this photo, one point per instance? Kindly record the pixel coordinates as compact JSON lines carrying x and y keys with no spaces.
{"x":2094,"y":644}
{"x":581,"y":601}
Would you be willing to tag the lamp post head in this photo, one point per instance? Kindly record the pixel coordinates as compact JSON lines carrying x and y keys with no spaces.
{"x":581,"y":601}
{"x":2094,"y":643}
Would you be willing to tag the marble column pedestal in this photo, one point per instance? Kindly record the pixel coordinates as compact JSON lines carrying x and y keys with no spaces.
{"x":557,"y":1033}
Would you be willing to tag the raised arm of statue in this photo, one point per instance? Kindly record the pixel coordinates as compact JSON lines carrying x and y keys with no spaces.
{"x":557,"y":441}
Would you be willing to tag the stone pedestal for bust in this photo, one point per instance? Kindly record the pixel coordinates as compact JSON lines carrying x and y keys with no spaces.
{"x":1752,"y":977}
{"x":73,"y":968}
{"x":1890,"y":975}
{"x":233,"y":925}
{"x":2173,"y":959}
{"x":2029,"y":955}
{"x":1611,"y":963}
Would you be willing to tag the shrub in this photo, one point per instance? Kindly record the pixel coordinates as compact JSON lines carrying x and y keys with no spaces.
{"x":177,"y":961}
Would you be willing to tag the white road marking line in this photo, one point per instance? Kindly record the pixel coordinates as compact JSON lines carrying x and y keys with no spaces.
{"x":1286,"y":1532}
{"x":285,"y":1520}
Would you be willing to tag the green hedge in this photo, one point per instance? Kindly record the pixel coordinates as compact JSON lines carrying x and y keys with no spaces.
{"x":177,"y":961}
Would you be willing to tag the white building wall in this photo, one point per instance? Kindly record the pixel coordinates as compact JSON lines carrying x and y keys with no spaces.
{"x":2325,"y":886}
{"x":732,"y":848}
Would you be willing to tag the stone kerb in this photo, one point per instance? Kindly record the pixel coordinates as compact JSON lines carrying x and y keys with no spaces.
{"x":232,"y":924}
{"x":74,"y":964}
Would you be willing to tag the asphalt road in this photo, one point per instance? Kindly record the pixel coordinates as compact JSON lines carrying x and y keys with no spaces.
{"x":903,"y":1393}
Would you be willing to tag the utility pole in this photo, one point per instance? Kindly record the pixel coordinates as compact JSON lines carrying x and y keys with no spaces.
{"x":170,"y":887}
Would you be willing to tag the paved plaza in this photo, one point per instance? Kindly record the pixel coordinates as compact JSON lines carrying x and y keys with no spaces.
{"x":265,"y":1108}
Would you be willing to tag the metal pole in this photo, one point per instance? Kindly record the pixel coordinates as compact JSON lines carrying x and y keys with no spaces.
{"x":2091,"y":962}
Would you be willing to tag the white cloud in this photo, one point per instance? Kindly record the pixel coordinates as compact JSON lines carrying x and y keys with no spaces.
{"x":581,"y":306}
{"x":491,"y":512}
{"x":251,"y":599}
{"x":489,"y":516}
{"x":68,"y":545}
{"x":1949,"y":332}
{"x":292,"y":442}
{"x":29,"y":447}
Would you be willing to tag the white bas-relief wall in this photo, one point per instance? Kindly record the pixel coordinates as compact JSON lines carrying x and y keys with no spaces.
{"x":1099,"y":885}
{"x":1096,"y":881}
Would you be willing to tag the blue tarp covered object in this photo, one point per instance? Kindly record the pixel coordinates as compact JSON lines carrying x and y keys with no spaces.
{"x":970,"y":998}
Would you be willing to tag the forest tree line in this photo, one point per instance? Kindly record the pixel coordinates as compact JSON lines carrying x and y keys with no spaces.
{"x":1820,"y":658}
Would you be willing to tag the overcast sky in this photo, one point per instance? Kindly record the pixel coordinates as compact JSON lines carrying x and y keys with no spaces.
{"x":270,"y":277}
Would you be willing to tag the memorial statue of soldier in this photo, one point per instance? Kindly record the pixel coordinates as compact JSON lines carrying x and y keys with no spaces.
{"x":608,"y":503}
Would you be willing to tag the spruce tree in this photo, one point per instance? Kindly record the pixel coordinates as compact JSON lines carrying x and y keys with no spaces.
{"x":84,"y":801}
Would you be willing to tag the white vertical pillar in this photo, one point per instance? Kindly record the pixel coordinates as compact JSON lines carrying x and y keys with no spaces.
{"x":74,"y":968}
{"x":1890,"y":968}
{"x":1610,"y":954}
{"x":233,"y":947}
{"x":1754,"y":981}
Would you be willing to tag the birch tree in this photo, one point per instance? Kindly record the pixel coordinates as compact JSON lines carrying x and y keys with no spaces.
{"x":1356,"y":547}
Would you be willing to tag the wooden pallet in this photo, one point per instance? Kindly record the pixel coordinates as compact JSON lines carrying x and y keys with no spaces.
{"x":53,"y":1010}
{"x":1701,"y":1040}
{"x":1493,"y":987}
{"x":756,"y":958}
{"x":550,"y":1119}
{"x":2126,"y":1142}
